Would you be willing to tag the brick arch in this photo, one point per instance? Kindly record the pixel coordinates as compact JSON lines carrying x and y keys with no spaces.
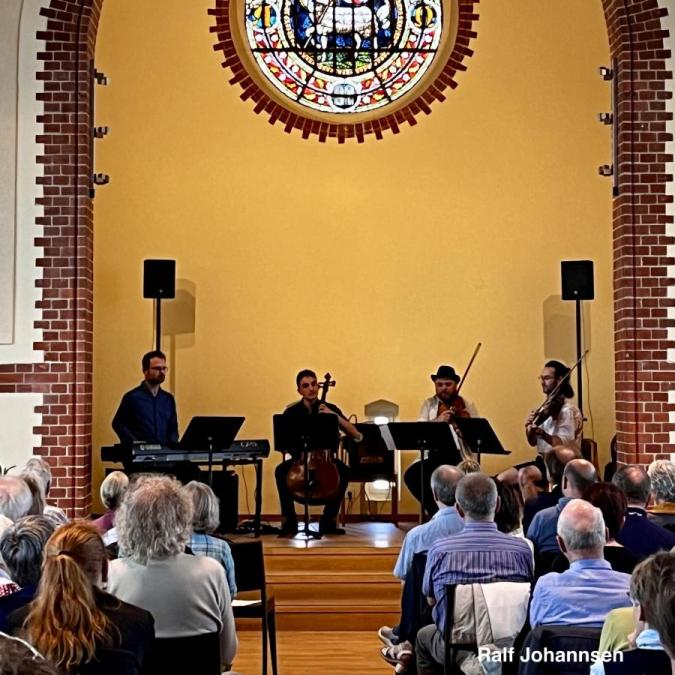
{"x":640,"y":219}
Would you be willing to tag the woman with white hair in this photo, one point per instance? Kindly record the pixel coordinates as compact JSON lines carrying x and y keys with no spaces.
{"x":205,"y":521}
{"x":662,"y":511}
{"x":187,"y":595}
{"x":112,"y":491}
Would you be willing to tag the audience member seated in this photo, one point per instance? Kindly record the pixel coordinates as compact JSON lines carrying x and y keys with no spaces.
{"x":469,"y":465}
{"x":529,"y":480}
{"x":39,"y":469}
{"x":612,"y":503}
{"x":21,"y":549}
{"x":15,"y":498}
{"x":112,"y":491}
{"x":584,"y":594}
{"x":205,"y":521}
{"x":662,"y":614}
{"x":478,"y":554}
{"x":662,"y":510}
{"x":555,"y":461}
{"x":651,"y":578}
{"x":17,"y":657}
{"x":639,"y":534}
{"x":77,"y":626}
{"x":577,"y":476}
{"x":444,"y":522}
{"x":509,"y":516}
{"x":187,"y":595}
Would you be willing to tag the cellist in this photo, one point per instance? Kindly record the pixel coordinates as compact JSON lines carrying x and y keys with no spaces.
{"x":444,"y":406}
{"x":309,"y":404}
{"x":558,"y":421}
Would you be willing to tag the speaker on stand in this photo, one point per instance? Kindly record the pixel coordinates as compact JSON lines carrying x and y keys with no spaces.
{"x":159,"y":283}
{"x":577,"y":285}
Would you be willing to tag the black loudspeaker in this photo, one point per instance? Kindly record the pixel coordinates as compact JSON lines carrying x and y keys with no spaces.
{"x":159,"y":279}
{"x":577,"y":279}
{"x":226,"y":487}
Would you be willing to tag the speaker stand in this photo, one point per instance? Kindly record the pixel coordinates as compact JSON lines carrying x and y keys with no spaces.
{"x":158,"y":323}
{"x":580,"y":394}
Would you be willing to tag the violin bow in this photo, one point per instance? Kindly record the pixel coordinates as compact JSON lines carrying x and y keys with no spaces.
{"x":558,"y":386}
{"x":468,"y":368}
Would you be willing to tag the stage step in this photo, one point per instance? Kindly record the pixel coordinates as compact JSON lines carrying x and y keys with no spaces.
{"x":345,"y":584}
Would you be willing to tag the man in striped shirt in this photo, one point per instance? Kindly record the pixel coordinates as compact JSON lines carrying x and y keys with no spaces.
{"x":478,"y":554}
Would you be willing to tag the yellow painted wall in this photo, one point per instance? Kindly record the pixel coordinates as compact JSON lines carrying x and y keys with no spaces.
{"x":378,"y":261}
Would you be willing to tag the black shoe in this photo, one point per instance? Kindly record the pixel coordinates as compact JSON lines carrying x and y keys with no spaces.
{"x":288,"y":530}
{"x":330,"y":528}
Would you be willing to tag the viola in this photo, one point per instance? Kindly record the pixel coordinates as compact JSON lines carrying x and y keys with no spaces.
{"x":314,"y":476}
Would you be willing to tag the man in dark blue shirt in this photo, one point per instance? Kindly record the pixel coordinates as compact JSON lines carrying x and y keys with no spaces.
{"x":148,"y":413}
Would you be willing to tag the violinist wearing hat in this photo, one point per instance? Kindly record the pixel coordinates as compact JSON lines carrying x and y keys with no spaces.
{"x":442,"y":407}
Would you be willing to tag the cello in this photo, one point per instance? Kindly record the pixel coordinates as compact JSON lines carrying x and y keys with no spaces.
{"x":314,"y":477}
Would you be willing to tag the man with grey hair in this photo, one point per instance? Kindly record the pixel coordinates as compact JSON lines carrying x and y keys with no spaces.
{"x":585,"y":593}
{"x":21,"y":549}
{"x":186,"y":594}
{"x":38,"y":468}
{"x":205,"y":521}
{"x":477,"y":554}
{"x":577,"y":476}
{"x":639,"y":535}
{"x":662,"y":510}
{"x":15,"y":497}
{"x":443,"y":523}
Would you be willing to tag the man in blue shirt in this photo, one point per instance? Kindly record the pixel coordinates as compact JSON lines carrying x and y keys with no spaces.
{"x":577,"y":476}
{"x":148,"y":413}
{"x":585,"y":593}
{"x":478,"y":554}
{"x":640,"y":535}
{"x":444,"y":522}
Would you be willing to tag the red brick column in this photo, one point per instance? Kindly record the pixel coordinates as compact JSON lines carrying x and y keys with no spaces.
{"x":643,"y":375}
{"x":64,"y":378}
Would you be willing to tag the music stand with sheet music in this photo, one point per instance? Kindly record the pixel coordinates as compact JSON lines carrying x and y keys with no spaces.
{"x":213,"y":433}
{"x":425,"y":436}
{"x":294,"y":434}
{"x":480,"y":436}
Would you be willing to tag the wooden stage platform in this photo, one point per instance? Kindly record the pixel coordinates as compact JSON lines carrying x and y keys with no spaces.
{"x":338,"y":583}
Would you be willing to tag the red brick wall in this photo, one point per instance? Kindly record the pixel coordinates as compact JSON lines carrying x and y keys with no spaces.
{"x":643,"y":375}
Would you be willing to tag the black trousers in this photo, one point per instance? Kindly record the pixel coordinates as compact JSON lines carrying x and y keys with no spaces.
{"x":412,"y":479}
{"x":287,"y":502}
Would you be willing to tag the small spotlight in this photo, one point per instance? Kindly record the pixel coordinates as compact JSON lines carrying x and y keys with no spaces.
{"x":100,"y":179}
{"x":101,"y":78}
{"x":606,"y":73}
{"x":606,"y":170}
{"x":381,"y":419}
{"x":381,"y":484}
{"x":100,"y":132}
{"x":606,"y":117}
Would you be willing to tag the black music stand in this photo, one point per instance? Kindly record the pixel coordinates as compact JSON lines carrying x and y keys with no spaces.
{"x":214,"y":433}
{"x":480,"y":436}
{"x":425,"y":436}
{"x":370,"y":459}
{"x":305,"y":433}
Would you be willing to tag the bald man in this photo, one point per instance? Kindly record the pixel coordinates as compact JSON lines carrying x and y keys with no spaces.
{"x":555,"y":462}
{"x":577,"y":476}
{"x":640,"y":535}
{"x":585,"y":593}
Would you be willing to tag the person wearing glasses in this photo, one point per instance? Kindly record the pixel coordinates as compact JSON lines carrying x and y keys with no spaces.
{"x":148,"y":413}
{"x":557,"y":422}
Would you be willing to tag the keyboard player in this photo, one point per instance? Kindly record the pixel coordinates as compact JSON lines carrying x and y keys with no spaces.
{"x":147,"y":414}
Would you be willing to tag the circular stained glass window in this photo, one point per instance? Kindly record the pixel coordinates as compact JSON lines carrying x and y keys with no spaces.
{"x":344,"y":56}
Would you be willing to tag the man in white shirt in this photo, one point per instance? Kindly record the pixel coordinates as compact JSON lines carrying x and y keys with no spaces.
{"x":444,"y":406}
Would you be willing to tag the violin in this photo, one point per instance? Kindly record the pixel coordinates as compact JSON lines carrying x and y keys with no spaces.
{"x":314,"y":476}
